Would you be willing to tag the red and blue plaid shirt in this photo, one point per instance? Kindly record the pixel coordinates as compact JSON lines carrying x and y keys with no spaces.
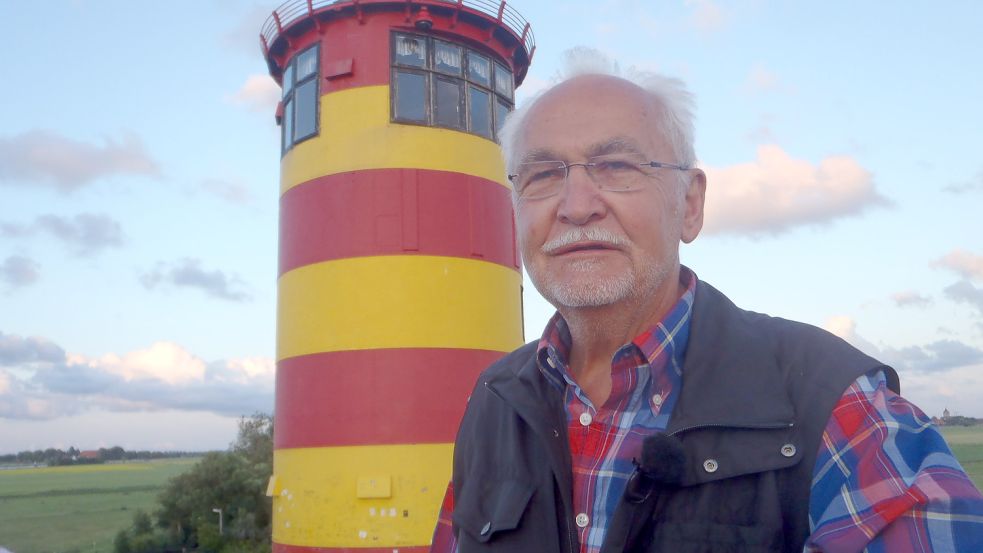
{"x":884,"y":478}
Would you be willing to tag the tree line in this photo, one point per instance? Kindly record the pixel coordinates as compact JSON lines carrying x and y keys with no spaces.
{"x":232,"y":481}
{"x":73,"y":456}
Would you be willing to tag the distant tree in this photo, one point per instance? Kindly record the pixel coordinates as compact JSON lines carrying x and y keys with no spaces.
{"x":234,"y":481}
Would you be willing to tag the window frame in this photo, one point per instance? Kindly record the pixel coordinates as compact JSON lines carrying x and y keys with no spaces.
{"x":394,"y":88}
{"x":289,"y":99}
{"x":433,"y":76}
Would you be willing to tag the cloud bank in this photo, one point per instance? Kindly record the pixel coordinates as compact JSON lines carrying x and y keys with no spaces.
{"x":934,"y":376}
{"x":40,"y":381}
{"x":965,"y":264}
{"x":17,"y":271}
{"x":937,"y":356}
{"x":48,"y":158}
{"x":85,"y":233}
{"x":910,"y":298}
{"x":776,"y":193}
{"x":188,"y":273}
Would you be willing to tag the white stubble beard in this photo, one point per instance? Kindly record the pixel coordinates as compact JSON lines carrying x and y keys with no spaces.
{"x":586,"y":291}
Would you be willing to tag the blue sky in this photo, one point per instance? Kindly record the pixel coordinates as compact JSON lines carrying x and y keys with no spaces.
{"x":139,"y":188}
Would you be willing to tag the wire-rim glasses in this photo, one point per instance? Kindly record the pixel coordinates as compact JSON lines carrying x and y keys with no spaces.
{"x":616,"y":173}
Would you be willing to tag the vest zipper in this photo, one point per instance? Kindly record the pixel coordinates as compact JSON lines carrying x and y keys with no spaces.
{"x":761,"y":426}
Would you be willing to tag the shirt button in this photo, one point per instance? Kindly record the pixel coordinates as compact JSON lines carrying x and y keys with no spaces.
{"x":788,"y":450}
{"x":657,"y":400}
{"x":583,"y":520}
{"x":485,"y":528}
{"x":585,"y":418}
{"x":710,"y":465}
{"x":550,"y":362}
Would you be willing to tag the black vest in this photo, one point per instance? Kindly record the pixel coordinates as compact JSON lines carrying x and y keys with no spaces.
{"x":757,"y":393}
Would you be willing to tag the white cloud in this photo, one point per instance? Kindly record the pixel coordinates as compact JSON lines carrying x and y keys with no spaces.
{"x":776,"y":193}
{"x":974,"y":184}
{"x":933,"y":357}
{"x":910,"y":298}
{"x":934,"y":376}
{"x":40,"y":382}
{"x":48,"y":158}
{"x":259,"y":93}
{"x":231,"y":191}
{"x":188,"y":273}
{"x":967,"y":265}
{"x":706,"y":16}
{"x":964,"y":292}
{"x":761,"y":80}
{"x":85,"y":233}
{"x":164,"y":361}
{"x":17,"y":271}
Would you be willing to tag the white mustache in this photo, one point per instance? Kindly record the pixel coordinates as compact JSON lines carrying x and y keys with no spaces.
{"x":592,"y":234}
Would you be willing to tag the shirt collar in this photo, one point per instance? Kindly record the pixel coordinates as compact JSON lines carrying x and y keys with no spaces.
{"x":666,"y":340}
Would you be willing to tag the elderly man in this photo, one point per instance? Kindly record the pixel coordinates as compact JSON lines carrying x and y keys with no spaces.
{"x":654,"y":414}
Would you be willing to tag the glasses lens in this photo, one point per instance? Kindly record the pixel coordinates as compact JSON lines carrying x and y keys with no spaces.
{"x":540,"y":179}
{"x":617,"y":172}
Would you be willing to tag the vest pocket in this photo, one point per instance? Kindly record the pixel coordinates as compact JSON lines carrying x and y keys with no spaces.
{"x":497,"y":507}
{"x":714,"y":538}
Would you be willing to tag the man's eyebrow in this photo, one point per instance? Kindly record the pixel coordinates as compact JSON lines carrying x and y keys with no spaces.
{"x":539,"y":154}
{"x":616,"y":145}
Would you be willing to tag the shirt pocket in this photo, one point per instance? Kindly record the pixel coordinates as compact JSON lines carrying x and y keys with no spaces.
{"x":492,"y":508}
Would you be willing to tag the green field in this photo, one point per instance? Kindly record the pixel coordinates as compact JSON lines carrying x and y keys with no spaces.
{"x":967,"y":443}
{"x":77,"y":509}
{"x":80,"y":509}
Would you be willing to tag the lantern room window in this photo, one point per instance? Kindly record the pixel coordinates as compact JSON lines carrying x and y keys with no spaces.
{"x":442,"y":84}
{"x":300,"y":98}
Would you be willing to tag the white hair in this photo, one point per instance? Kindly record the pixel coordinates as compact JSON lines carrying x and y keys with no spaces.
{"x":671,"y":94}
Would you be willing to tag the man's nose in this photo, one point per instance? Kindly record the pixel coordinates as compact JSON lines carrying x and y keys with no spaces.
{"x":580,"y":198}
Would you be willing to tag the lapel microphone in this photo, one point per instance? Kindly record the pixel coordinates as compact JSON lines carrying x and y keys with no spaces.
{"x":662,"y":465}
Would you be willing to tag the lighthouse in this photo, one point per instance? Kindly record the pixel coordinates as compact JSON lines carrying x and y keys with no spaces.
{"x":398,"y":273}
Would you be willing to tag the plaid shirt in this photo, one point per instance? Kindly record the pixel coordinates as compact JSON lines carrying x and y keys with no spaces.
{"x":884,"y":478}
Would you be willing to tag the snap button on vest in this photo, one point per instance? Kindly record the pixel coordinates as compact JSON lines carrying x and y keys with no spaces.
{"x":788,"y":450}
{"x":485,"y":528}
{"x":710,"y":465}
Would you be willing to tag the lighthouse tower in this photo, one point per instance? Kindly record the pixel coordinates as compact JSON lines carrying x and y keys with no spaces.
{"x":399,"y":276}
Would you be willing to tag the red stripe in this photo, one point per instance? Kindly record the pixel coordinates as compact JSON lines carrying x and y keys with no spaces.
{"x":396,"y":211}
{"x":283,"y":548}
{"x":374,"y":397}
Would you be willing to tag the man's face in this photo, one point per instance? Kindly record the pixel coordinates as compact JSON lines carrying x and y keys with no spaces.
{"x":585,"y":247}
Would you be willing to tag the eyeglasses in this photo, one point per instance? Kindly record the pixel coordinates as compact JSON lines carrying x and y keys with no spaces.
{"x":616,"y":173}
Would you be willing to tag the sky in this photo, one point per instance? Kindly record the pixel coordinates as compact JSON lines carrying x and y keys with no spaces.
{"x":139,"y":167}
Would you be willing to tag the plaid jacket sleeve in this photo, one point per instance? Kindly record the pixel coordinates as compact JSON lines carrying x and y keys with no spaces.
{"x":444,"y":540}
{"x":885,"y":480}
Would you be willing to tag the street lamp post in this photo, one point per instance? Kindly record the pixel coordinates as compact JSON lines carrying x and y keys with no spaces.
{"x":219,"y":511}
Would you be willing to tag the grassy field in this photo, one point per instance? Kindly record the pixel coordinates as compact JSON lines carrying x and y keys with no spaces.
{"x":77,"y":509}
{"x":967,"y":443}
{"x":80,"y":509}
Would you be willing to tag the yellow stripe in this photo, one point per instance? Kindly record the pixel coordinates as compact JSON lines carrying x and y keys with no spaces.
{"x":403,"y":301}
{"x":317,"y":503}
{"x":356,"y":134}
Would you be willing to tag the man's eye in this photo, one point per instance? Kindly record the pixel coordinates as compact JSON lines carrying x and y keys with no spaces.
{"x":546,"y":175}
{"x":614,"y":165}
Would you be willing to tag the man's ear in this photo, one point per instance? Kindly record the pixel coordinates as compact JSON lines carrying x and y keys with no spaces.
{"x":693,"y":204}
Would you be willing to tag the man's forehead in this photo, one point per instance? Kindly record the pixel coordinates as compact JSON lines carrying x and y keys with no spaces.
{"x":590,"y":115}
{"x":601,"y":146}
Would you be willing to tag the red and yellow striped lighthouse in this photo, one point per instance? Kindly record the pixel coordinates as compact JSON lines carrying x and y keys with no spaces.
{"x":399,"y":276}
